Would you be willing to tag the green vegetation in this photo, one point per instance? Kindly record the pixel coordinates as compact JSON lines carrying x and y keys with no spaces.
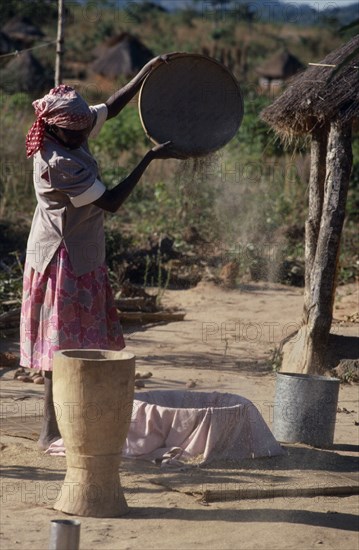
{"x":248,"y":200}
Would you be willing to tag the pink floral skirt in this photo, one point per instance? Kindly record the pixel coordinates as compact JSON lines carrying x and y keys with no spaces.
{"x":62,"y":311}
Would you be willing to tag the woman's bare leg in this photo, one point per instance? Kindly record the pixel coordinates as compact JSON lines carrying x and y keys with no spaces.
{"x":49,"y":431}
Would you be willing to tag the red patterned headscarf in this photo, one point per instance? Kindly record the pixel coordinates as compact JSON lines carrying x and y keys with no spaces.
{"x":62,"y":106}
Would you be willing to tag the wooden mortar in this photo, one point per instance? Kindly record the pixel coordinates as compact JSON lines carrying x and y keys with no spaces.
{"x":93,"y":396}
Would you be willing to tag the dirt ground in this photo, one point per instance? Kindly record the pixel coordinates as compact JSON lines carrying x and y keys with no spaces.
{"x":224,"y":344}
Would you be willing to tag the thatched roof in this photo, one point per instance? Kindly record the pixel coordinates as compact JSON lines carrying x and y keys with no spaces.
{"x":122,"y":55}
{"x":6,"y":44}
{"x":313,"y":100}
{"x":24,"y":74}
{"x":21,"y":28}
{"x":281,"y":65}
{"x":104,"y":46}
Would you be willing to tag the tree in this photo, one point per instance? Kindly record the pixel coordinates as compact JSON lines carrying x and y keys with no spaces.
{"x":37,"y":11}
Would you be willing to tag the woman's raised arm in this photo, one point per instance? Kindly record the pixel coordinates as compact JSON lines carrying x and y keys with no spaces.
{"x":119,"y":99}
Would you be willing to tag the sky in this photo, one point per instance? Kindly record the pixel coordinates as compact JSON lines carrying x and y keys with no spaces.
{"x":323,"y":3}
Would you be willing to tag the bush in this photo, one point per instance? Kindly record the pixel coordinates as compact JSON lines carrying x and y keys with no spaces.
{"x":122,"y":133}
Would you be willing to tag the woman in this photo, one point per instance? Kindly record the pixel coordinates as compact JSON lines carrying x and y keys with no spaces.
{"x":67,"y":299}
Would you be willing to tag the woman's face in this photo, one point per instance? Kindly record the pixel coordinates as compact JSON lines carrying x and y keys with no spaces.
{"x":73,"y":139}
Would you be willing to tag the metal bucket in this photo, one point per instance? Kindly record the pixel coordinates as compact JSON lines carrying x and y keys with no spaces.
{"x":64,"y":534}
{"x":305,"y":409}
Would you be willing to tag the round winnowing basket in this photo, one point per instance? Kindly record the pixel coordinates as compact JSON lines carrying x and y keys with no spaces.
{"x":193,"y":101}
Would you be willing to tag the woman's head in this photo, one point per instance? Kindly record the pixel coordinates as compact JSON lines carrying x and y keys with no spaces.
{"x":70,"y":138}
{"x":65,"y":113}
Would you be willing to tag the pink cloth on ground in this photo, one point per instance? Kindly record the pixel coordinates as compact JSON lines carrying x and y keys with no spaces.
{"x":172,"y":426}
{"x":62,"y":311}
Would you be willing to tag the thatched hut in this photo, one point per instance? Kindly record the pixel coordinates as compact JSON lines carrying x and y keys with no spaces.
{"x":6,"y":44}
{"x":24,"y":73}
{"x":277,"y":70}
{"x":322,"y":102}
{"x":22,"y":30}
{"x":121,"y":55}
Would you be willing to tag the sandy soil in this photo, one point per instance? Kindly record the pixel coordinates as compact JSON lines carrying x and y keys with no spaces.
{"x":223,"y":344}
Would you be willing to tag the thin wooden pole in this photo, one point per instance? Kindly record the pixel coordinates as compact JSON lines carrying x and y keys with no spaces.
{"x":308,"y":353}
{"x":323,"y":279}
{"x":59,"y":43}
{"x":316,"y":197}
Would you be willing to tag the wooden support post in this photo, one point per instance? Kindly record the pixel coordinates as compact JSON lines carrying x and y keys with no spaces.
{"x":307,"y":350}
{"x":323,"y":278}
{"x":318,"y":155}
{"x":59,"y":43}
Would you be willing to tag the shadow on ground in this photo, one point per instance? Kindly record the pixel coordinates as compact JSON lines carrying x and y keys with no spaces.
{"x":331,"y":520}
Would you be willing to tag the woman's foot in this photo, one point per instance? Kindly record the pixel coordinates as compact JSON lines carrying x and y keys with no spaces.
{"x":49,"y":431}
{"x":24,"y":376}
{"x":46,"y":439}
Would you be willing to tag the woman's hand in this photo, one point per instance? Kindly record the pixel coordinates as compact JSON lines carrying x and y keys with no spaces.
{"x":121,"y":98}
{"x":165,"y":151}
{"x":160,"y":59}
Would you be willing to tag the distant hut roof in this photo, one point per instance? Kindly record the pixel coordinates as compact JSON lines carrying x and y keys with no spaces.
{"x":122,"y":55}
{"x":152,"y":6}
{"x":281,"y":65}
{"x":146,"y":7}
{"x":6,"y":44}
{"x":312,"y":100}
{"x":102,"y":48}
{"x":24,"y":74}
{"x":21,"y":28}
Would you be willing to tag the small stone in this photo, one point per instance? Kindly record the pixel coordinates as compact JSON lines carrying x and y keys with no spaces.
{"x":19,"y":372}
{"x":143,"y":375}
{"x":39,"y":380}
{"x":191,"y":384}
{"x":24,"y":378}
{"x":139,"y":384}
